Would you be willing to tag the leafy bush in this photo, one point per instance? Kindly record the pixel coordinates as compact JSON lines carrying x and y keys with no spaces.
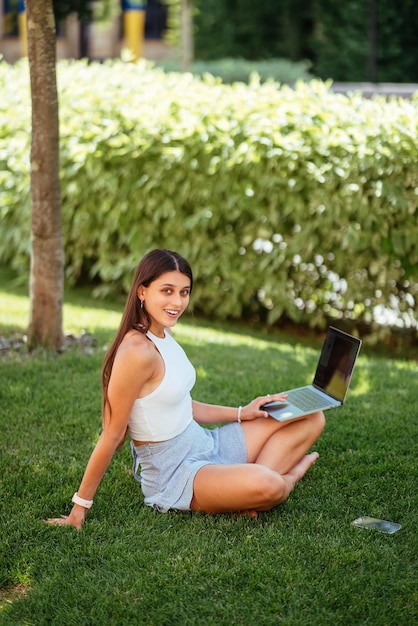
{"x":241,"y":70}
{"x":295,"y":204}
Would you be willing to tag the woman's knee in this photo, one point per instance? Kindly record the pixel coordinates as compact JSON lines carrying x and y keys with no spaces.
{"x":319,"y":422}
{"x":315,"y":424}
{"x":269,"y":487}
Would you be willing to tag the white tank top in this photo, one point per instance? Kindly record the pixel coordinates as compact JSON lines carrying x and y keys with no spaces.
{"x":166,"y":411}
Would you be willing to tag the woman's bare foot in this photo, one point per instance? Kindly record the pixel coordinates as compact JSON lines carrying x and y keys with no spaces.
{"x":299,"y":470}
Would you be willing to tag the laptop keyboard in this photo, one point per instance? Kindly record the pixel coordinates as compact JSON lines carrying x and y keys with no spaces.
{"x":308,"y":400}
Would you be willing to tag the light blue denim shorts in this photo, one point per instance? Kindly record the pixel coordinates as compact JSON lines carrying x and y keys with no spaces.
{"x":167,"y":470}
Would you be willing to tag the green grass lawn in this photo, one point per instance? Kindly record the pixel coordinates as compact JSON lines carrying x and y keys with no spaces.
{"x":303,"y":563}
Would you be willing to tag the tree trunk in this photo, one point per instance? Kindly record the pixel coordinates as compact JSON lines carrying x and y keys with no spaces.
{"x":47,"y":250}
{"x":186,"y":34}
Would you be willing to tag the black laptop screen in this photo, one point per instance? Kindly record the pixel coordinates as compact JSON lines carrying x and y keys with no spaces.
{"x":336,"y":363}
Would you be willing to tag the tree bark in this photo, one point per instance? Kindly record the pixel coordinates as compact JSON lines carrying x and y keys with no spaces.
{"x":186,"y":34}
{"x":47,"y":250}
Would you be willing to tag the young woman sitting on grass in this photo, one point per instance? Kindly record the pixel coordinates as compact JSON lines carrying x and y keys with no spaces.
{"x":250,"y":464}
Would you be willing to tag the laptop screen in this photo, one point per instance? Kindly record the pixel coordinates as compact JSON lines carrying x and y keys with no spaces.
{"x":336,"y":363}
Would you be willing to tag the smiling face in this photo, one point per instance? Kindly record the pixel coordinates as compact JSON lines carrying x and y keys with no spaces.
{"x":165,"y":299}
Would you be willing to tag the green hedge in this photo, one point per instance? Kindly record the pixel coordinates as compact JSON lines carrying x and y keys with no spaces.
{"x":231,"y":70}
{"x":297,"y":204}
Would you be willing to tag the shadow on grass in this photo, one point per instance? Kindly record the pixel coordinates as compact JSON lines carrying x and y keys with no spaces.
{"x":77,"y":300}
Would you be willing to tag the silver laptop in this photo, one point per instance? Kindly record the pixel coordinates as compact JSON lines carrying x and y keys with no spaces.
{"x":331,"y":381}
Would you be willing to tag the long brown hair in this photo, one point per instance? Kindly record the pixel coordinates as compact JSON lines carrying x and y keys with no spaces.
{"x":135,"y":317}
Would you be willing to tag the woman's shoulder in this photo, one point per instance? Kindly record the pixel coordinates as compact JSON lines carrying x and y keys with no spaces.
{"x":136,"y":364}
{"x":136,"y":349}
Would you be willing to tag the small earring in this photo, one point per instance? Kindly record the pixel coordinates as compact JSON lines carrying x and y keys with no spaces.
{"x":142,"y":304}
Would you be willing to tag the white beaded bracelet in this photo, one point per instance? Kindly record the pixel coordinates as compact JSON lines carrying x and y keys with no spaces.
{"x":239,"y":415}
{"x":87,"y":504}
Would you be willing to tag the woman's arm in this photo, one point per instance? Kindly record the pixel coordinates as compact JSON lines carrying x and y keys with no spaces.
{"x":132,"y":370}
{"x":96,"y":467}
{"x":215,"y":414}
{"x":212,"y":413}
